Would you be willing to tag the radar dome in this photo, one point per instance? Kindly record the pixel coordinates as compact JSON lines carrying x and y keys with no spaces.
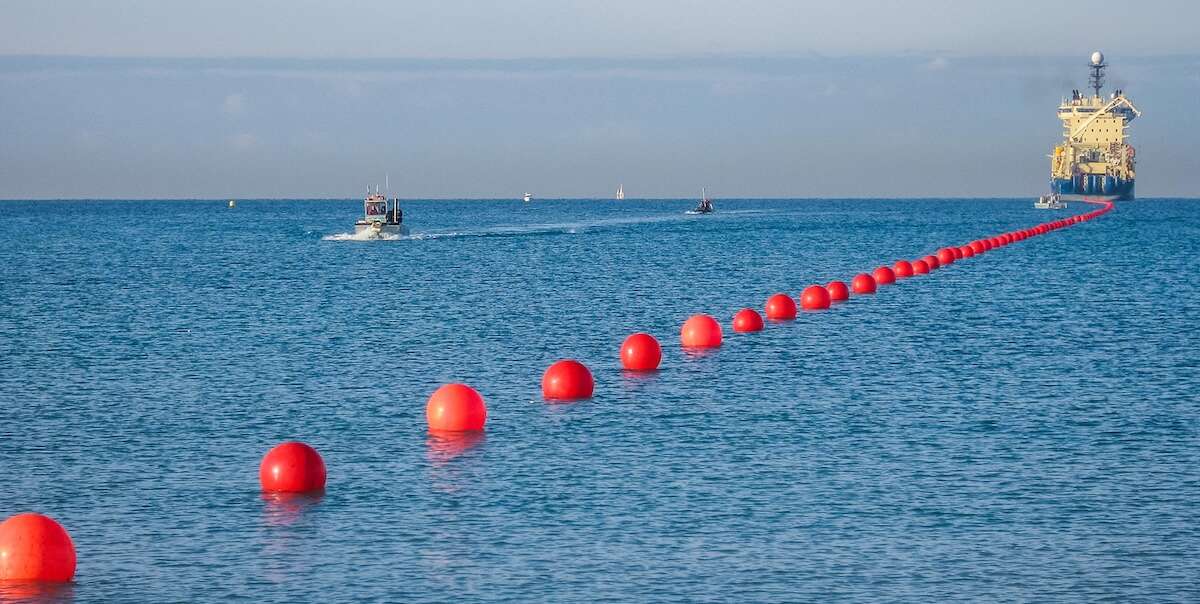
{"x":1097,"y":58}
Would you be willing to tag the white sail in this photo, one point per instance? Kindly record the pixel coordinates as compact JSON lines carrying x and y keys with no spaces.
{"x":620,"y":191}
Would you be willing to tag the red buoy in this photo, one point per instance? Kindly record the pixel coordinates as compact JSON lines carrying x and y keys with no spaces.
{"x":455,"y":408}
{"x":747,"y":320}
{"x":292,"y":467}
{"x":567,"y":380}
{"x":838,"y":292}
{"x":977,"y":247}
{"x":34,"y":547}
{"x":967,"y":251}
{"x":641,"y":352}
{"x":814,"y":297}
{"x":946,"y":256}
{"x":920,"y":267}
{"x":863,"y":283}
{"x":932,"y":261}
{"x":958,"y":254}
{"x":903,"y":269}
{"x":781,"y":307}
{"x":700,"y":331}
{"x":884,"y":276}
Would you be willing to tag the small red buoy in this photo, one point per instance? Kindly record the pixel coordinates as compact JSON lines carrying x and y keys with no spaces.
{"x":884,"y":276}
{"x":814,"y":297}
{"x":932,"y":261}
{"x":747,"y":320}
{"x":958,"y":253}
{"x":781,"y":307}
{"x":978,"y":247}
{"x":838,"y":292}
{"x":641,"y":352}
{"x":920,"y":267}
{"x":455,"y":408}
{"x":567,"y":380}
{"x":946,"y":256}
{"x":34,"y":547}
{"x":292,"y":467}
{"x":967,"y":251}
{"x":863,"y":283}
{"x":700,"y":331}
{"x":902,"y":269}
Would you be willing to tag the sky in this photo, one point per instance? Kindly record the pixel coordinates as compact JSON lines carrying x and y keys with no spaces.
{"x":926,"y":98}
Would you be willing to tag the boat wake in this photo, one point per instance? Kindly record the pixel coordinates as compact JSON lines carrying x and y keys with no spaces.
{"x":363,"y":236}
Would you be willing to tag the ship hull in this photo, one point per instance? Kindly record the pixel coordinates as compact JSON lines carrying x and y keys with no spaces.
{"x":1093,"y":185}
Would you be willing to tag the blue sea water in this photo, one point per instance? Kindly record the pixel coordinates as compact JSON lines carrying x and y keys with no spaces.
{"x":1021,"y":426}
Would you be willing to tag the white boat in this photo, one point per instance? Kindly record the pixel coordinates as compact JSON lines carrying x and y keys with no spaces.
{"x":1050,"y":202}
{"x":705,"y":206}
{"x":379,"y":219}
{"x":232,"y":204}
{"x":528,"y":197}
{"x":620,"y":192}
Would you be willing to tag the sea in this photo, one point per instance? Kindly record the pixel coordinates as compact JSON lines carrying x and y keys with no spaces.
{"x":1019,"y":426}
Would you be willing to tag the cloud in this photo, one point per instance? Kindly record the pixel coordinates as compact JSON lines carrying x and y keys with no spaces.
{"x":243,"y":141}
{"x":937,"y":64}
{"x":234,"y":104}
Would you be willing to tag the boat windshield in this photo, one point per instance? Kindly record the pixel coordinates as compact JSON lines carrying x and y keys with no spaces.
{"x":376,"y":208}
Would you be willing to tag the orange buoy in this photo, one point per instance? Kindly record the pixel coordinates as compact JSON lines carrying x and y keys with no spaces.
{"x":455,"y":408}
{"x":567,"y":380}
{"x":902,"y":269}
{"x":920,"y":267}
{"x":34,"y":547}
{"x":641,"y":352}
{"x":932,"y":261}
{"x":884,"y":276}
{"x":781,"y":307}
{"x":838,"y":292}
{"x":747,"y":320}
{"x":863,"y":283}
{"x":292,"y":467}
{"x":700,"y":331}
{"x":814,"y":297}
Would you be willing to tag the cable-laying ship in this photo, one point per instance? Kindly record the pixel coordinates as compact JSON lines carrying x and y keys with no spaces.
{"x":1094,"y":160}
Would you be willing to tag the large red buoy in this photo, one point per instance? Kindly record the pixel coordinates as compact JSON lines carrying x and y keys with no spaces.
{"x":747,"y":320}
{"x":641,"y":352}
{"x":700,"y":331}
{"x":455,"y":408}
{"x":884,"y":276}
{"x":932,"y":261}
{"x":814,"y":297}
{"x":863,"y":283}
{"x":920,"y":267}
{"x":567,"y":380}
{"x":781,"y":307}
{"x":34,"y":547}
{"x":902,"y":269}
{"x":946,"y":256}
{"x":838,"y":292}
{"x":292,"y":467}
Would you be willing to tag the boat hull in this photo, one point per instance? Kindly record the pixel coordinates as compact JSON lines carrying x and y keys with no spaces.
{"x":379,"y":230}
{"x":1093,"y":185}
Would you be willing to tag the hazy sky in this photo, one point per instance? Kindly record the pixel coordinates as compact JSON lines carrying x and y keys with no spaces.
{"x":477,"y":99}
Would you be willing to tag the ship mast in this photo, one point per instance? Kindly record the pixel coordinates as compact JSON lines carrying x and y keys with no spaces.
{"x":1097,"y":78}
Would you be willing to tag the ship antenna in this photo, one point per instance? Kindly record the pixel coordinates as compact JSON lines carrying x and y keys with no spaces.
{"x":1097,"y":77}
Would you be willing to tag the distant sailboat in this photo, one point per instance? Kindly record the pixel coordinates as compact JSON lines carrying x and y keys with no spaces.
{"x":620,"y":192}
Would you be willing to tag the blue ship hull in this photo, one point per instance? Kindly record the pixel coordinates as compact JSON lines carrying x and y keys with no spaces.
{"x":1093,"y":185}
